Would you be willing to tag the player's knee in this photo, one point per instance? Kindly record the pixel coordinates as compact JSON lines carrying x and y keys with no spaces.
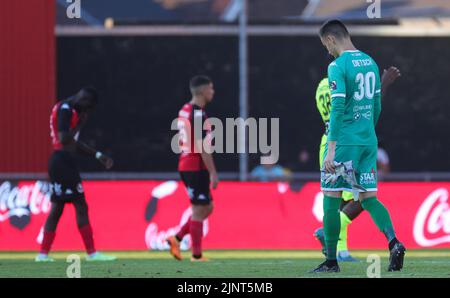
{"x":50,"y":226}
{"x":55,"y":214}
{"x":196,"y":212}
{"x":368,"y":194}
{"x":82,"y":217}
{"x":53,"y":218}
{"x":201,"y":212}
{"x":85,"y":208}
{"x":82,"y":221}
{"x":208,"y":211}
{"x":56,"y":210}
{"x":81,"y":207}
{"x":205,"y":211}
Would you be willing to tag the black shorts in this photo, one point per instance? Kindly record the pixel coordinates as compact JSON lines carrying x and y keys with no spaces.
{"x":64,"y":177}
{"x":197,"y":186}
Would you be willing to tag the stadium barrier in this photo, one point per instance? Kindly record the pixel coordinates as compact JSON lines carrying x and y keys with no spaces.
{"x":139,"y":215}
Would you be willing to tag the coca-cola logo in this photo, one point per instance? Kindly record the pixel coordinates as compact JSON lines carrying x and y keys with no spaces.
{"x":432,"y":222}
{"x":154,"y":237}
{"x":17,"y":204}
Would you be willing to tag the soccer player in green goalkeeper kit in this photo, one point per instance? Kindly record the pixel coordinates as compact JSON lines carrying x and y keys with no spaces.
{"x":351,"y":150}
{"x":349,"y":208}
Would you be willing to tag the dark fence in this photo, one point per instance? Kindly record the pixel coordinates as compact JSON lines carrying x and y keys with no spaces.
{"x":143,"y":82}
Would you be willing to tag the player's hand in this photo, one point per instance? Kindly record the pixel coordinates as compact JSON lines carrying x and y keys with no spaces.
{"x":328,"y":164}
{"x":390,"y":75}
{"x":106,"y":161}
{"x":214,"y":180}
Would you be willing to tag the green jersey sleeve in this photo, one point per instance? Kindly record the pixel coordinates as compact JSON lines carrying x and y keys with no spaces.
{"x":377,"y":100}
{"x":336,"y":80}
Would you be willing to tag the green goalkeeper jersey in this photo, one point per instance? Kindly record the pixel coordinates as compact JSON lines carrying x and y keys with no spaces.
{"x":355,"y":88}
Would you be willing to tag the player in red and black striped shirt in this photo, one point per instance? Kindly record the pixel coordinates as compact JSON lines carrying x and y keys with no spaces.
{"x":196,"y":165}
{"x":66,"y":120}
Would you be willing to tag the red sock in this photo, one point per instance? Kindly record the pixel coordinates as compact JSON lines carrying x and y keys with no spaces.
{"x":196,"y":230}
{"x":88,"y":239}
{"x":184,"y":230}
{"x":47,"y":242}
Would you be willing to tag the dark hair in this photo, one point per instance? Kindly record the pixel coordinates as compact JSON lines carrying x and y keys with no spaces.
{"x":91,"y":92}
{"x":198,"y":81}
{"x":335,"y":28}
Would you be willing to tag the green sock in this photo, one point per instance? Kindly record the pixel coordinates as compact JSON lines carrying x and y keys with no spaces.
{"x":345,"y":221}
{"x":380,"y":216}
{"x":331,"y":225}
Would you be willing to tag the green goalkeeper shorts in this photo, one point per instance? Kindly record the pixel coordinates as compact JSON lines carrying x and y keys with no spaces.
{"x":364,"y":159}
{"x":346,"y":195}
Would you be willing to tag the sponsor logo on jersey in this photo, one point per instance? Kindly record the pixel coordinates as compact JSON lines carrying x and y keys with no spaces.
{"x":368,"y":178}
{"x":65,"y":106}
{"x":57,"y":189}
{"x":358,"y":108}
{"x":333,"y":85}
{"x":367,"y":115}
{"x":80,"y":188}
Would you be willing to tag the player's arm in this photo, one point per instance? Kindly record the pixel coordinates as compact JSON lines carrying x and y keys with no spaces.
{"x":86,"y":149}
{"x":383,"y":168}
{"x":67,"y":137}
{"x":389,"y":76}
{"x":376,"y":108}
{"x":338,"y":94}
{"x":208,"y":160}
{"x":377,"y":101}
{"x":204,"y":147}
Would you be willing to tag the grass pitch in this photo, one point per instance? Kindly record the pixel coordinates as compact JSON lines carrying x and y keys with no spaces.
{"x":224,"y":264}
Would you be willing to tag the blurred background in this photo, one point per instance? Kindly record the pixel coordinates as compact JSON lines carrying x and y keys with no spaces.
{"x":140,"y":55}
{"x":146,"y":74}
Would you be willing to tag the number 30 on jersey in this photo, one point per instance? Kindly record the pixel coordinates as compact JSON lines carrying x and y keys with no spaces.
{"x":366,"y":86}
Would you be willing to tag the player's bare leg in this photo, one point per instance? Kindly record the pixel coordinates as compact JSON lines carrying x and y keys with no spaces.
{"x":380,"y":216}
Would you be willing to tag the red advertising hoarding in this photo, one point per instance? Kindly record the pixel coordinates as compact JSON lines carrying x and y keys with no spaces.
{"x":139,"y":215}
